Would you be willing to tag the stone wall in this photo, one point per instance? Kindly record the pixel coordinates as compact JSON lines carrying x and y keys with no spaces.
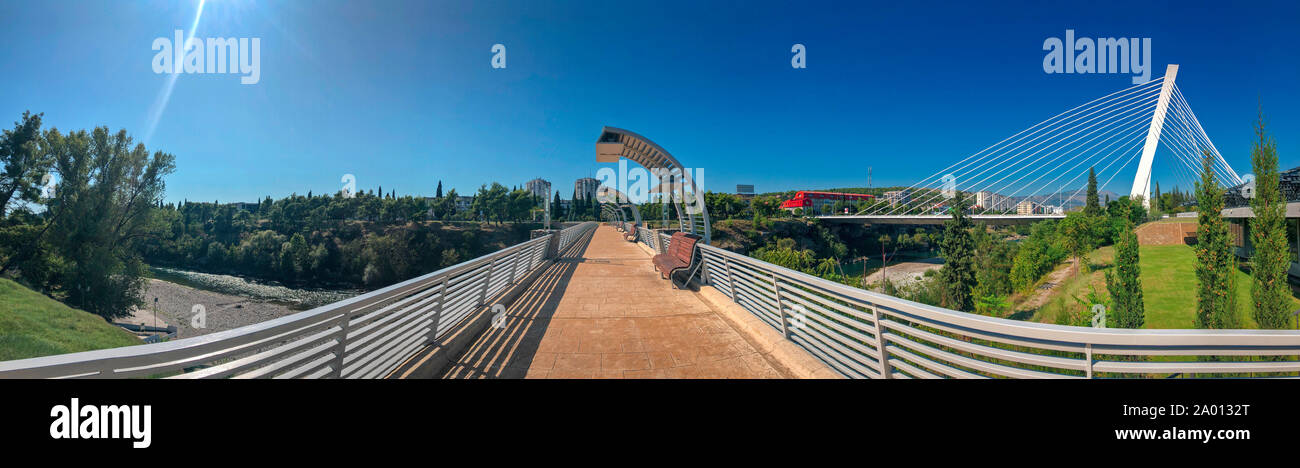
{"x":1166,"y":233}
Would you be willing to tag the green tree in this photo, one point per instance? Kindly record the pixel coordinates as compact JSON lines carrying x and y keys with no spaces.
{"x":993,"y":274}
{"x":24,"y":161}
{"x":104,"y":206}
{"x":1093,"y":206}
{"x":1079,"y":236}
{"x":1270,"y":260}
{"x":958,"y":251}
{"x":1215,"y":262}
{"x":1125,"y":282}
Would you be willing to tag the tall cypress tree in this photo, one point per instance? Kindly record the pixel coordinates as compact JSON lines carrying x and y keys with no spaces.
{"x":958,"y":250}
{"x":1093,"y":206}
{"x":1216,"y":265}
{"x":556,"y":211}
{"x":1269,"y":262}
{"x":438,"y":194}
{"x":1155,"y":199}
{"x":1125,"y":282}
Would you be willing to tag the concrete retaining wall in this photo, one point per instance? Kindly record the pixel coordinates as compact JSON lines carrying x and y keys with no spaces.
{"x":1166,"y":233}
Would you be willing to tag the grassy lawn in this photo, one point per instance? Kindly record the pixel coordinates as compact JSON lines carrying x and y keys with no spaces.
{"x":33,"y":325}
{"x":1168,"y":287}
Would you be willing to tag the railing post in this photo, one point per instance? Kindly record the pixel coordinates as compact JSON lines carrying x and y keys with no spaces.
{"x":731,"y":278}
{"x":437,"y":315}
{"x":886,"y":370}
{"x":487,"y":282}
{"x":1087,"y":354}
{"x":340,"y":351}
{"x":514,"y":265}
{"x":705,"y":277}
{"x":785,"y":323}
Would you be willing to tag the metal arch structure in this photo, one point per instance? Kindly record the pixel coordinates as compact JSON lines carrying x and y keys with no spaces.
{"x":611,"y":213}
{"x":611,"y":197}
{"x":692,"y":214}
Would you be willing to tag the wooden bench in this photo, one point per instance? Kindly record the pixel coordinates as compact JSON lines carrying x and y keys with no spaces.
{"x":679,"y":257}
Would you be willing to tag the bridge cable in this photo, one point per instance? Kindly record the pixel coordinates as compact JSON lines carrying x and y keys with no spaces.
{"x":1022,"y":134}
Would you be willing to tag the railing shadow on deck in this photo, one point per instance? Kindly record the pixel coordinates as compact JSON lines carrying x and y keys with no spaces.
{"x":507,"y":348}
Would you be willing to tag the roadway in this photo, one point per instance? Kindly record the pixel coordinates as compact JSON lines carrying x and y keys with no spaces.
{"x":996,"y":220}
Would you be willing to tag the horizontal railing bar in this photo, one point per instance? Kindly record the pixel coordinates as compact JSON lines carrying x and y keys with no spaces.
{"x":932,"y":365}
{"x":287,"y":363}
{"x":1157,"y":367}
{"x":989,"y":351}
{"x":238,"y":365}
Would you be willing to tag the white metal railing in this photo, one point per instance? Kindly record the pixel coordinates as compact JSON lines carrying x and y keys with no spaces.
{"x":366,"y":336}
{"x":572,"y":233}
{"x":665,"y":239}
{"x":847,"y":327}
{"x":648,"y":237}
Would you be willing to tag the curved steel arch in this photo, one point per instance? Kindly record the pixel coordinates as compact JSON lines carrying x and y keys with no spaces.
{"x":692,"y":214}
{"x":607,"y":195}
{"x":611,"y":213}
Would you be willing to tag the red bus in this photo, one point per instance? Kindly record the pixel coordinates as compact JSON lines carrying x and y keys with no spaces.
{"x":808,"y":199}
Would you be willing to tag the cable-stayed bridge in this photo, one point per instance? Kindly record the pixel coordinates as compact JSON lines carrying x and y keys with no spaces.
{"x":1017,"y":179}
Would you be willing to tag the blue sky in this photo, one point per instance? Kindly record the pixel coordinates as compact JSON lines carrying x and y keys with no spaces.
{"x":403,"y":95}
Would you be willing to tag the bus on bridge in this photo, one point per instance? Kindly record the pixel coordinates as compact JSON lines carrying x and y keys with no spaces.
{"x":814,"y":200}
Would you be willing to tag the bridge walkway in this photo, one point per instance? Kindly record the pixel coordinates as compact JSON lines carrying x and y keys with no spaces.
{"x":601,"y":311}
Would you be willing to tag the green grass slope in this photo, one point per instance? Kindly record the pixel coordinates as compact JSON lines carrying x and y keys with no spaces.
{"x":32,"y":325}
{"x":1168,"y":287}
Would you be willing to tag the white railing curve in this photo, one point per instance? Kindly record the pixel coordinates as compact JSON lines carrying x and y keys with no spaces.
{"x":367,"y":336}
{"x":864,"y":334}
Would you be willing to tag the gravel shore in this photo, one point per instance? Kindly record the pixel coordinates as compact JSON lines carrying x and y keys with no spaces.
{"x":176,"y":306}
{"x":905,"y":273}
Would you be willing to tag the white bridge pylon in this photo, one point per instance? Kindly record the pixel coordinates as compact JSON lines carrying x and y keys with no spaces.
{"x":1142,"y":180}
{"x":1044,"y":168}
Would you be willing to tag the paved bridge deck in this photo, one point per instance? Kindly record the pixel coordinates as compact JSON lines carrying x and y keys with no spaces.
{"x":602,"y":311}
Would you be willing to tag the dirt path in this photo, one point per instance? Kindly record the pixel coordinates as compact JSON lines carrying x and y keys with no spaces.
{"x":1044,"y":291}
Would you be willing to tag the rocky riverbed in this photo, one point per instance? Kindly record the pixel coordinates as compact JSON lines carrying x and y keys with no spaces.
{"x":180,"y":305}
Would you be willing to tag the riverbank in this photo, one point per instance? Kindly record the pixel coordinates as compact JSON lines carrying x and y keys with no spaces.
{"x":178,"y":305}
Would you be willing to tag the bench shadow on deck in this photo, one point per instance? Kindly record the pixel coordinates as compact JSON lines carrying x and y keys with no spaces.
{"x":600,"y":311}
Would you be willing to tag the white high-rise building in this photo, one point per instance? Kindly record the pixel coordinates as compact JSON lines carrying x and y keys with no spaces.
{"x":585,"y":188}
{"x":538,"y":187}
{"x":991,"y":201}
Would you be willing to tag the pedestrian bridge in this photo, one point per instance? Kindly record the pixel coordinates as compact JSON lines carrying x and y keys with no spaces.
{"x":582,"y":302}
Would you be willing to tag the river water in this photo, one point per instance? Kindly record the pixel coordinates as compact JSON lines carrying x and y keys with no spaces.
{"x":299,"y":299}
